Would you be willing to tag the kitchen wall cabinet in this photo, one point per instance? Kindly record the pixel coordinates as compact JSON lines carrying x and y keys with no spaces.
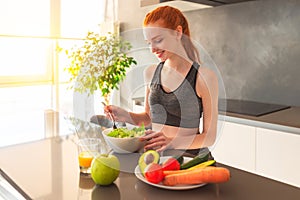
{"x":236,"y":146}
{"x":277,"y":155}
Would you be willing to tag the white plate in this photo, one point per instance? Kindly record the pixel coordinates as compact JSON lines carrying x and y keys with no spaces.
{"x":140,"y":176}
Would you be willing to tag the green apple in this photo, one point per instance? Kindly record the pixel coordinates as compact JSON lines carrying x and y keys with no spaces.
{"x":105,"y":169}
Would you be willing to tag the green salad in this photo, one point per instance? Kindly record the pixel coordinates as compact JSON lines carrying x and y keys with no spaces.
{"x":126,"y":133}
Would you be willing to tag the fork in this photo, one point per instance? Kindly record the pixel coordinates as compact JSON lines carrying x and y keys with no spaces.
{"x":111,"y":117}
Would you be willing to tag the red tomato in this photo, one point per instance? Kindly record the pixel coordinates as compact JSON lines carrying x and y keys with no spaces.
{"x":154,"y":173}
{"x":171,"y":164}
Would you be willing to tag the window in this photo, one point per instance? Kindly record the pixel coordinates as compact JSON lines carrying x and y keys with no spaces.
{"x":80,"y":16}
{"x":32,"y":78}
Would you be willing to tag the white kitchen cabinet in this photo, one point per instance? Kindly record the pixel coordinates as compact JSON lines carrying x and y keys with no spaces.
{"x":236,"y":146}
{"x":278,"y":155}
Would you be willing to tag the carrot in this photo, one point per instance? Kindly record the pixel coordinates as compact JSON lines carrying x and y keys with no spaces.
{"x":201,"y":175}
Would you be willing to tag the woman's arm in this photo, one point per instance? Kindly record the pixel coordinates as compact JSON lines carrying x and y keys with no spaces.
{"x":121,"y":115}
{"x":207,"y":89}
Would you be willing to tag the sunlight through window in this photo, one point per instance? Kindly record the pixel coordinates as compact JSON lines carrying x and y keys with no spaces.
{"x":78,"y":17}
{"x":22,"y":56}
{"x":32,"y":77}
{"x":30,"y":17}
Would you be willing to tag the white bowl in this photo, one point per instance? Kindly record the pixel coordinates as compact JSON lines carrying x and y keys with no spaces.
{"x":123,"y":145}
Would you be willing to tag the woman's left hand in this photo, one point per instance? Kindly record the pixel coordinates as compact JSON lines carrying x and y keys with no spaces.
{"x":155,"y":140}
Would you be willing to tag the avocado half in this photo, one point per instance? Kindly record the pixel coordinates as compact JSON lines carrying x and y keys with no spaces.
{"x":150,"y":156}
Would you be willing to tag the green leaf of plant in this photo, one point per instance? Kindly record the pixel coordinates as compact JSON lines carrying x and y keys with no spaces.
{"x":99,"y":64}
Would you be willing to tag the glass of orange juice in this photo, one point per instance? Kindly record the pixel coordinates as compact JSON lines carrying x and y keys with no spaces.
{"x":88,"y":148}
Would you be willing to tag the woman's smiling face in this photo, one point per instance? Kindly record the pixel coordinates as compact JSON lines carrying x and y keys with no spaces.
{"x":162,"y":41}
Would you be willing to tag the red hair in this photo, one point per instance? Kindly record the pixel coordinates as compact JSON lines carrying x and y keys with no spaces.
{"x":172,"y":18}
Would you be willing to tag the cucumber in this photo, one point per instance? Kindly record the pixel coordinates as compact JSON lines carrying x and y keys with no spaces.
{"x":179,"y":158}
{"x":195,"y":161}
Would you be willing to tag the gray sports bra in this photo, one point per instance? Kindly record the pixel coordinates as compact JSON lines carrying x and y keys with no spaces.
{"x":181,"y":107}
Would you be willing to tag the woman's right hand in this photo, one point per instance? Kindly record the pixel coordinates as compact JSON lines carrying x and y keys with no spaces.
{"x":155,"y":140}
{"x":119,"y":114}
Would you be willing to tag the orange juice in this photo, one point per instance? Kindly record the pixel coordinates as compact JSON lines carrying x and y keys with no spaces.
{"x":88,"y":148}
{"x":85,"y":159}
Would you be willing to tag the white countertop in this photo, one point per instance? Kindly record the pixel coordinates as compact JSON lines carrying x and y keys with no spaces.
{"x":287,"y":120}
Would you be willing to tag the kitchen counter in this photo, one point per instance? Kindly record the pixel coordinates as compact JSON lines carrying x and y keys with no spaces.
{"x":288,"y":117}
{"x":284,"y":120}
{"x":48,"y":169}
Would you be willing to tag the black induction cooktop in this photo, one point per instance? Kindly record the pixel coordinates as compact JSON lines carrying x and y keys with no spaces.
{"x":251,"y":108}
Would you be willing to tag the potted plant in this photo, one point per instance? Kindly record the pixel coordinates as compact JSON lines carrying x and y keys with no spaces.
{"x":99,"y":64}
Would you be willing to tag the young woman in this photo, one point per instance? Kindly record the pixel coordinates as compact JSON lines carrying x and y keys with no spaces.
{"x":179,"y":92}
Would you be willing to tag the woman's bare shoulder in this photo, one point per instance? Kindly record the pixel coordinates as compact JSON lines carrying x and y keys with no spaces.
{"x":207,"y":74}
{"x":207,"y":81}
